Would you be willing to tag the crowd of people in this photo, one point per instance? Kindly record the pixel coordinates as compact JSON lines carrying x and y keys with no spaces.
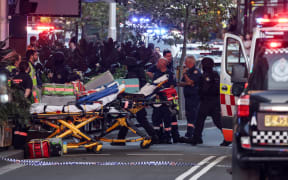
{"x":201,"y":90}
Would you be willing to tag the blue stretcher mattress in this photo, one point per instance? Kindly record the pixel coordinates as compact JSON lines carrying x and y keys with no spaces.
{"x":96,"y":96}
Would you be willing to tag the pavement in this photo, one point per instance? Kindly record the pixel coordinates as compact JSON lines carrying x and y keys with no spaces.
{"x":18,"y":153}
{"x":206,"y":161}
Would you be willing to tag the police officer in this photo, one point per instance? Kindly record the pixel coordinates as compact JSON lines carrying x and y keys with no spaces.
{"x":209,"y":101}
{"x":190,"y":82}
{"x":162,"y":114}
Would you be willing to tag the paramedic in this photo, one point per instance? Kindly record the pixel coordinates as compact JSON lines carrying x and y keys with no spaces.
{"x":141,"y":116}
{"x":190,"y":82}
{"x":162,"y":114}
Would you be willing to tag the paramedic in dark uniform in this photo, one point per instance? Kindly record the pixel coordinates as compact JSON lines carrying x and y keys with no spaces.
{"x":190,"y":82}
{"x":209,"y":101}
{"x":162,"y":114}
{"x":137,"y":71}
{"x":174,"y":123}
{"x":24,"y":79}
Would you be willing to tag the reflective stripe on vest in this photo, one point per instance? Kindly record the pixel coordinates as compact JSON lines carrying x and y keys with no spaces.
{"x":17,"y":81}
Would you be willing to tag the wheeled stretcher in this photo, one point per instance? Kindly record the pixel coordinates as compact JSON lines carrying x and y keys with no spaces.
{"x":70,"y":119}
{"x":104,"y":108}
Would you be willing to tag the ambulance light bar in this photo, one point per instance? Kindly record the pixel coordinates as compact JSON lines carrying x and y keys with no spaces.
{"x":265,"y":21}
{"x":45,"y":28}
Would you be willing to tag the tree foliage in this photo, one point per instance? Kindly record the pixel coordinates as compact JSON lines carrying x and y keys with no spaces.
{"x":94,"y":19}
{"x":195,"y":19}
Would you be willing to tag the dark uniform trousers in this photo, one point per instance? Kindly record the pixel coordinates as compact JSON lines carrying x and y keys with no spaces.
{"x":143,"y":121}
{"x":210,"y":106}
{"x":174,"y":128}
{"x":191,"y":110}
{"x":162,"y":114}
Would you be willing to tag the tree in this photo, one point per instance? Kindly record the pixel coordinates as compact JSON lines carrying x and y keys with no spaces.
{"x":194,"y":18}
{"x":95,"y":19}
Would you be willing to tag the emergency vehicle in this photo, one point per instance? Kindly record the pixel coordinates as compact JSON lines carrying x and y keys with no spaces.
{"x":255,"y":115}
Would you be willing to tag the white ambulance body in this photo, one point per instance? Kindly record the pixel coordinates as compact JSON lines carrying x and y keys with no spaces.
{"x":234,"y":53}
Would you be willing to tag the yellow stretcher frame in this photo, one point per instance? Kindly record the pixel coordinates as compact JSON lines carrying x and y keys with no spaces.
{"x":64,"y":128}
{"x":125,"y":122}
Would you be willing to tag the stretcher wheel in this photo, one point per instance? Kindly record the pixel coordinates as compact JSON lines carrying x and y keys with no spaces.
{"x":145,"y":144}
{"x":97,"y":148}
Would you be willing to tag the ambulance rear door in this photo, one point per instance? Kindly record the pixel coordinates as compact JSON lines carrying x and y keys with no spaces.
{"x":233,"y":53}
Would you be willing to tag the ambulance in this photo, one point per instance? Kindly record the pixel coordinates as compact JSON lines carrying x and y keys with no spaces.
{"x":254,"y":99}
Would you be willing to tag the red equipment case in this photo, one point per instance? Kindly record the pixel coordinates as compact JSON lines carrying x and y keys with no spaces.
{"x":39,"y":148}
{"x":169,"y":94}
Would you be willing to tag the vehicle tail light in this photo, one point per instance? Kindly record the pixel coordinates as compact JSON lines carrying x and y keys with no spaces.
{"x":282,"y":20}
{"x":275,"y":44}
{"x":243,"y":106}
{"x":263,"y":20}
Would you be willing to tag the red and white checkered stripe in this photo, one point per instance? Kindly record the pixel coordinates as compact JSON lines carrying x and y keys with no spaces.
{"x":228,"y":104}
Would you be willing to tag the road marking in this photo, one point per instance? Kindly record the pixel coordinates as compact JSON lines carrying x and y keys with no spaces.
{"x":207,"y":168}
{"x":9,"y":168}
{"x":211,"y":128}
{"x":12,"y":167}
{"x":155,"y":154}
{"x":71,"y":155}
{"x":194,"y":168}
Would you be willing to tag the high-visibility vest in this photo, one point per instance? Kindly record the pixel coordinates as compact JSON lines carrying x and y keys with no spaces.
{"x":10,"y":68}
{"x":33,"y":74}
{"x":35,"y":92}
{"x":175,"y":101}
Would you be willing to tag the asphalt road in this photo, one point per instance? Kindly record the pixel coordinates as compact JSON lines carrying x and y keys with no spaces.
{"x":206,"y":161}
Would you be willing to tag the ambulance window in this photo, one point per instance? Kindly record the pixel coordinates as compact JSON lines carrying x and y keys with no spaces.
{"x":234,"y":55}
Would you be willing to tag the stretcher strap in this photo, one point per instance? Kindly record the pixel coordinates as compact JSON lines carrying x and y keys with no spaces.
{"x":63,"y":109}
{"x":81,"y":108}
{"x":45,"y":106}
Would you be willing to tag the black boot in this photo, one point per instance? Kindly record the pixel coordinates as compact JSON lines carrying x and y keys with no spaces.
{"x":196,"y":141}
{"x":225,"y":143}
{"x":155,"y":139}
{"x":166,"y":138}
{"x":159,"y":134}
{"x":176,"y":139}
